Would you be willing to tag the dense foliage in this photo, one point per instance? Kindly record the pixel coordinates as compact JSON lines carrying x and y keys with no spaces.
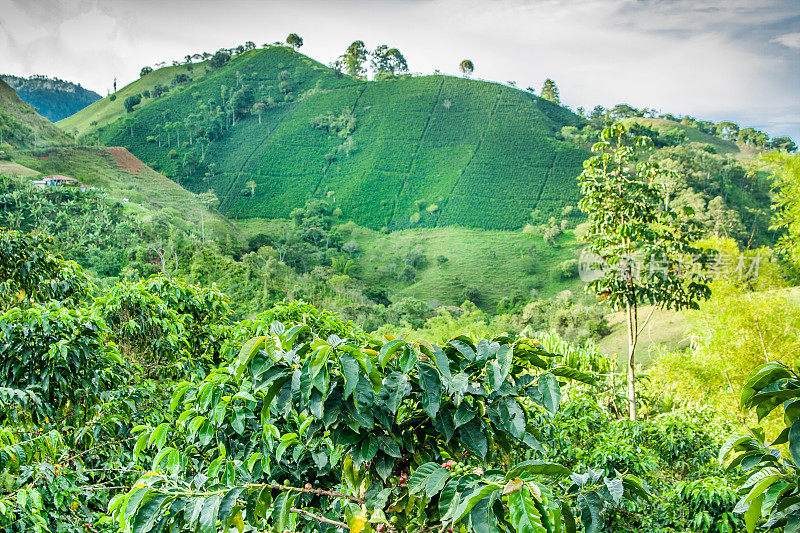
{"x":769,"y":486}
{"x":298,"y":421}
{"x":88,"y":227}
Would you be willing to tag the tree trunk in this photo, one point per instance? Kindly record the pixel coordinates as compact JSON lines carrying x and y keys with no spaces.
{"x":632,"y":320}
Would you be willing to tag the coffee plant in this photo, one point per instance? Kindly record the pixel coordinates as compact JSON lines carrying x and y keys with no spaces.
{"x":297,"y":432}
{"x":770,"y":484}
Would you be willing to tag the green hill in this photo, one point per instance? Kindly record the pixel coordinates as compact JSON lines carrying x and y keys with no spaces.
{"x":112,"y":107}
{"x":21,"y":126}
{"x":399,"y":153}
{"x":53,"y":98}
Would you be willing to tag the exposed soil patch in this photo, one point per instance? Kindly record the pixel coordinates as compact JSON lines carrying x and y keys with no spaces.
{"x":125,"y":160}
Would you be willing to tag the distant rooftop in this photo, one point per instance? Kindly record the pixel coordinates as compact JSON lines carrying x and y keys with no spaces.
{"x":59,"y":179}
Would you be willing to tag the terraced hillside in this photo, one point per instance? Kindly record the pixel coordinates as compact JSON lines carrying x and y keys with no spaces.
{"x":420,"y":151}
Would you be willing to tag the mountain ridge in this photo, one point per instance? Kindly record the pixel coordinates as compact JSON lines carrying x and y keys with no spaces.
{"x":52,"y":98}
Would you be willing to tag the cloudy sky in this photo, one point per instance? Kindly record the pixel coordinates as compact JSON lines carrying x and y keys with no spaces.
{"x":715,"y":59}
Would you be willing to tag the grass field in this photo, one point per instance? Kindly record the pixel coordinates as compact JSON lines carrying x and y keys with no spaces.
{"x":10,"y":168}
{"x":498,"y":264}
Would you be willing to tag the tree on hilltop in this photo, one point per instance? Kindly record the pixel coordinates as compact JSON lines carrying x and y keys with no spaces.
{"x":467,"y":67}
{"x":219,"y":59}
{"x":354,"y":58}
{"x":145,"y":71}
{"x":387,"y":60}
{"x":783,"y":143}
{"x":550,"y":91}
{"x":294,"y":40}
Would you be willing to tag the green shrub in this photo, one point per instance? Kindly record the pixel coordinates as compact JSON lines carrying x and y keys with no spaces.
{"x":61,"y":355}
{"x":566,"y":270}
{"x":30,"y":272}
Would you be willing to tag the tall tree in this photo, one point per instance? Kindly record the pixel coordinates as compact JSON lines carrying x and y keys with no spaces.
{"x":642,"y":247}
{"x":354,"y":58}
{"x":258,"y":109}
{"x":467,"y":67}
{"x":294,"y":40}
{"x":550,"y":91}
{"x":210,"y":201}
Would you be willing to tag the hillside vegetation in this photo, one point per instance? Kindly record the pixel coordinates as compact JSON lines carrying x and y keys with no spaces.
{"x":21,"y":126}
{"x":53,"y":98}
{"x":431,"y":150}
{"x":145,"y":192}
{"x":112,"y":107}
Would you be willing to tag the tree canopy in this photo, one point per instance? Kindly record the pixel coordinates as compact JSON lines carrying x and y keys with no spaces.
{"x":294,"y":40}
{"x":550,"y":92}
{"x":467,"y":67}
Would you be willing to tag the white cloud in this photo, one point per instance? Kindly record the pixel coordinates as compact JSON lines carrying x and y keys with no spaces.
{"x":789,"y":40}
{"x":707,"y":58}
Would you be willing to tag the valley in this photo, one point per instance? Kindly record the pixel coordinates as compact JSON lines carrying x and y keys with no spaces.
{"x":253,"y":292}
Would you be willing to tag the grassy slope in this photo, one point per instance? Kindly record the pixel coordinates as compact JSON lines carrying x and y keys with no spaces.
{"x":147,"y":192}
{"x":667,"y":330}
{"x":484,"y":153}
{"x":106,"y":110}
{"x":42,"y":130}
{"x":497,"y":263}
{"x":10,"y":168}
{"x":52,"y":98}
